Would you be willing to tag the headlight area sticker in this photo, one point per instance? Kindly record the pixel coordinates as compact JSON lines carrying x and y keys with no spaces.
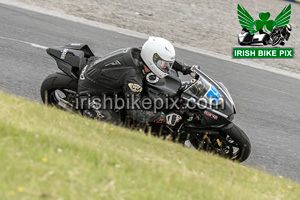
{"x":213,"y":94}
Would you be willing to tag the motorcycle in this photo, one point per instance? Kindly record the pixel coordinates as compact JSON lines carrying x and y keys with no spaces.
{"x":280,"y":34}
{"x":204,"y":104}
{"x":245,"y":38}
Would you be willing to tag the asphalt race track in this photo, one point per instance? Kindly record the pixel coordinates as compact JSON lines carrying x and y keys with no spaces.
{"x":268,"y":104}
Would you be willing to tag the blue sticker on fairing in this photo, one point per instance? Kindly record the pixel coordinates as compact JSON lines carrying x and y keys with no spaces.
{"x":214,"y":94}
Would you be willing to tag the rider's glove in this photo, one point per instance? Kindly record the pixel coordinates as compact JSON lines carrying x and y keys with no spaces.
{"x":172,"y":119}
{"x":193,"y":74}
{"x":185,"y":69}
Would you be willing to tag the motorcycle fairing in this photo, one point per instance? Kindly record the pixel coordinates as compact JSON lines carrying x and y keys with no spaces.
{"x":167,"y":86}
{"x":82,"y":47}
{"x":245,"y":38}
{"x":71,"y":58}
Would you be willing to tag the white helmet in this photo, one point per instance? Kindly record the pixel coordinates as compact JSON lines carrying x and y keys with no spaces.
{"x":159,"y":56}
{"x":289,"y":27}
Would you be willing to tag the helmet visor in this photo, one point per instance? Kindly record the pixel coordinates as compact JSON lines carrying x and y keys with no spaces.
{"x":161,"y":64}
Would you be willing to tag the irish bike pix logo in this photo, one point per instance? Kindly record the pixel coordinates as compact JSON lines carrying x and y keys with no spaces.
{"x":264,"y":32}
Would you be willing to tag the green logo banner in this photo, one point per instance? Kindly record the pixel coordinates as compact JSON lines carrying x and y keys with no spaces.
{"x":263,"y":53}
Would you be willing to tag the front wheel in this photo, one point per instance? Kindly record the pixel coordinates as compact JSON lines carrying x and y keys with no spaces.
{"x":236,"y":143}
{"x":230,"y":143}
{"x":276,"y":40}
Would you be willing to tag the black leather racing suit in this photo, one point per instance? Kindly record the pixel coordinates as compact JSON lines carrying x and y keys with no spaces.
{"x":121,"y":72}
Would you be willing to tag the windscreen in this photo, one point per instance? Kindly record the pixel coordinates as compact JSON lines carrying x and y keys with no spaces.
{"x":202,"y":90}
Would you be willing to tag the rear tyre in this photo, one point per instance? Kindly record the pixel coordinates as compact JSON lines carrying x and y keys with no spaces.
{"x":58,"y":86}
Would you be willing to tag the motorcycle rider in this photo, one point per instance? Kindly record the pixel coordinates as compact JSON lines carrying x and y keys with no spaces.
{"x":279,"y":34}
{"x":123,"y":71}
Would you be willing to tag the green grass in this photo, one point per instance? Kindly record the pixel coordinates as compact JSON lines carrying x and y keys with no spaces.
{"x":50,"y":154}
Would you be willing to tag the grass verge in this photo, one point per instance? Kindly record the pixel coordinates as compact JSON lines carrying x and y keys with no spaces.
{"x":50,"y":154}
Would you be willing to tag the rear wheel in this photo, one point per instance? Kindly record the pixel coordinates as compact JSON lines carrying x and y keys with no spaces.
{"x":56,"y":87}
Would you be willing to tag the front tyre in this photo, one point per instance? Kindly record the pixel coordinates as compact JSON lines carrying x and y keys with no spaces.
{"x":236,"y":143}
{"x":276,"y":40}
{"x":231,"y":143}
